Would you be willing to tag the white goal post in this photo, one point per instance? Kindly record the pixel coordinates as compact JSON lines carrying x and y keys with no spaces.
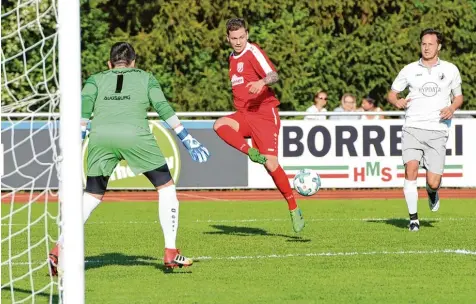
{"x":41,"y":73}
{"x":71,"y":192}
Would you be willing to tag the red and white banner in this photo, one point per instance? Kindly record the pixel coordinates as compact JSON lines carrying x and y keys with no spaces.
{"x":363,"y":154}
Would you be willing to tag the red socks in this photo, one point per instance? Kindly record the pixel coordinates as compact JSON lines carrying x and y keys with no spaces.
{"x":281,"y":181}
{"x":236,"y":140}
{"x":233,"y":138}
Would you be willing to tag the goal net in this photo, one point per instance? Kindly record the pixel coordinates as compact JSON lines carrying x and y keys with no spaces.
{"x":30,"y":137}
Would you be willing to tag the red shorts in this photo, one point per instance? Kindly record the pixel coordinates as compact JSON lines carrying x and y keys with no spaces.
{"x":262,"y":127}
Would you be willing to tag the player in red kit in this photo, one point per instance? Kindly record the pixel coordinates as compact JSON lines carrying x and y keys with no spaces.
{"x":256,"y":117}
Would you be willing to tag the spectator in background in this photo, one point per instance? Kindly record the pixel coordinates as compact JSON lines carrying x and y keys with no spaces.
{"x":370,"y":105}
{"x":320,"y":101}
{"x":348,"y":104}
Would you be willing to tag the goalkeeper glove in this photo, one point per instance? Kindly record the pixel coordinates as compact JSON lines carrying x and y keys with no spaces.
{"x":84,"y":129}
{"x":84,"y":133}
{"x":196,"y":150}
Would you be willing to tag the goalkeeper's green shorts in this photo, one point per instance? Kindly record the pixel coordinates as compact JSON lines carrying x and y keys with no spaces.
{"x":106,"y":150}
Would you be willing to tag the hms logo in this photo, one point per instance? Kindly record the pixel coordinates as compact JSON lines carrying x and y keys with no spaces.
{"x":236,"y":80}
{"x":239,"y":67}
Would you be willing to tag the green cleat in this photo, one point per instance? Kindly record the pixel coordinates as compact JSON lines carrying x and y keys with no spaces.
{"x":256,"y":157}
{"x":298,"y":220}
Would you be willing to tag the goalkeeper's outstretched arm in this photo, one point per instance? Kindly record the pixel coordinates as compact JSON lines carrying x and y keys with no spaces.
{"x":158,"y":101}
{"x":88,"y":99}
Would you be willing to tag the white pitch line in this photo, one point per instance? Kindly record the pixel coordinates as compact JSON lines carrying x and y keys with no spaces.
{"x":333,"y":220}
{"x":277,"y":256}
{"x":271,"y":220}
{"x":321,"y":254}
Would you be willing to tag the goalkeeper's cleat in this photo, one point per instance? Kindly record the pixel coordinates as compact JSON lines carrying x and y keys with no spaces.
{"x":256,"y":157}
{"x":433,"y":199}
{"x":53,"y":261}
{"x":173,"y":259}
{"x":298,"y":219}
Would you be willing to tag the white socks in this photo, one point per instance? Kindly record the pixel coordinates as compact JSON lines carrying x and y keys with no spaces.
{"x":168,"y":214}
{"x":89,"y":204}
{"x":411,"y":195}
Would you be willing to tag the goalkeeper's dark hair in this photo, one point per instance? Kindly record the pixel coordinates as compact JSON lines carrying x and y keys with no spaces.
{"x":122,"y":53}
{"x":235,"y":24}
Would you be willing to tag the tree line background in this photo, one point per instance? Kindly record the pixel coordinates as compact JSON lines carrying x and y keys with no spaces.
{"x":355,"y":46}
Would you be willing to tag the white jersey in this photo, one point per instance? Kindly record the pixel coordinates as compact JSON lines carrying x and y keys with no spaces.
{"x":430,"y":91}
{"x":314,"y":109}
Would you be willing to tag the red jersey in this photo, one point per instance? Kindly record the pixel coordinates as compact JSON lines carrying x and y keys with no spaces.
{"x":251,"y":65}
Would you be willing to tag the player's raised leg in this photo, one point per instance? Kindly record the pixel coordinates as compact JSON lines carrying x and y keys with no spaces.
{"x":233,"y":129}
{"x":168,"y":215}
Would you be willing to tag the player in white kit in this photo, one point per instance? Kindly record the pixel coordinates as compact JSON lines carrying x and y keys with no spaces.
{"x":434,"y":95}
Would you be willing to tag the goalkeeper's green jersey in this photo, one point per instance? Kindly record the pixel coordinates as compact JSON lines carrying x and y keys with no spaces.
{"x":120,"y":98}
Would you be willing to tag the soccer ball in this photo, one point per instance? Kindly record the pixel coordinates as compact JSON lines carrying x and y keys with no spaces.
{"x":307,"y":182}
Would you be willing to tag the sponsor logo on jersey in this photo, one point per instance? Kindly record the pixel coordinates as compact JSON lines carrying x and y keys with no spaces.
{"x":236,"y":80}
{"x":441,"y":76}
{"x":430,"y":89}
{"x":239,"y":67}
{"x":120,"y":97}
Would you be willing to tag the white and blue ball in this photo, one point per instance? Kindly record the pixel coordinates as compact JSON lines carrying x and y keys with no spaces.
{"x":307,"y":182}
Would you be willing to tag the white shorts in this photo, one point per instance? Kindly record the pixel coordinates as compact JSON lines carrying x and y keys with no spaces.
{"x":426,"y":146}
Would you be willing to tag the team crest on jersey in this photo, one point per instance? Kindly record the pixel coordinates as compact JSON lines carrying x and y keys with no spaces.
{"x":239,"y":67}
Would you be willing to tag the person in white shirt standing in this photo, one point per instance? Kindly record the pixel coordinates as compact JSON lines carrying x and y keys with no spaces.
{"x":435,"y":94}
{"x":320,"y":101}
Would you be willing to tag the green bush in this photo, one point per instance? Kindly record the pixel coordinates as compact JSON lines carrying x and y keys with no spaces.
{"x":355,"y":46}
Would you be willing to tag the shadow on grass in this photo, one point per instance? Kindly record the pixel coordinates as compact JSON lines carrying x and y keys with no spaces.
{"x":121,"y":259}
{"x":115,"y":258}
{"x":401,"y":223}
{"x":52,"y":299}
{"x":250,"y":231}
{"x":166,"y":270}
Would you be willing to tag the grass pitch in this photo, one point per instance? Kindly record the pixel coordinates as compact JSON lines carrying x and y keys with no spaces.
{"x":357,"y":251}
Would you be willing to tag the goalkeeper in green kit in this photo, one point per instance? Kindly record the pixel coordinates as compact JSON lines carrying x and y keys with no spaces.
{"x":119,"y":98}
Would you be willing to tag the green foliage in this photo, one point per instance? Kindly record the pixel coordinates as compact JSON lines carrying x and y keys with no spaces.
{"x":340,"y":46}
{"x":28,"y":55}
